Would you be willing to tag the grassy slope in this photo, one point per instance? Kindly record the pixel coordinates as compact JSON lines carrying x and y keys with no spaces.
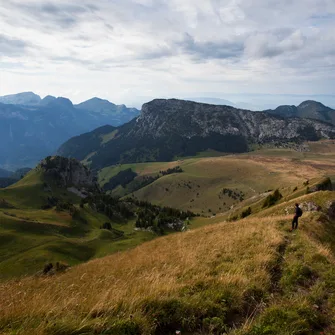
{"x":31,"y":237}
{"x":198,"y":188}
{"x":250,"y":277}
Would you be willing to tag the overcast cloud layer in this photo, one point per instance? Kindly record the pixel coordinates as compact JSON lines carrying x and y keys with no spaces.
{"x":133,"y":50}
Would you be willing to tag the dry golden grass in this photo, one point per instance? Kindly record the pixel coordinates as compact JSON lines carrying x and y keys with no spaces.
{"x":220,"y":256}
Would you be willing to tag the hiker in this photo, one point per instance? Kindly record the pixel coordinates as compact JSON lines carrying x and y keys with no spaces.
{"x":298,"y":213}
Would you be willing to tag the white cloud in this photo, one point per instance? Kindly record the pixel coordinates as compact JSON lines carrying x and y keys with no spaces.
{"x":121,"y":50}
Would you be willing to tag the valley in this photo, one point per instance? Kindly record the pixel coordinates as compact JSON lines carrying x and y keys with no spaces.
{"x":199,"y":187}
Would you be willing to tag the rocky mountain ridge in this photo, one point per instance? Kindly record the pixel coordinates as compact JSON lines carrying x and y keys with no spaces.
{"x":174,"y":128}
{"x":161,"y":117}
{"x":307,"y":109}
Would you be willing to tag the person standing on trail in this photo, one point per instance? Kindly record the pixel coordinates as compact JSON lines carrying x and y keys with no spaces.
{"x":298,"y":213}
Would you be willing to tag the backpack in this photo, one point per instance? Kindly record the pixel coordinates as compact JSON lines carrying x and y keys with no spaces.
{"x":299,"y":212}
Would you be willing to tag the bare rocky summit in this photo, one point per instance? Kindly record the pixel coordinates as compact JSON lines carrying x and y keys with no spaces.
{"x":163,"y":117}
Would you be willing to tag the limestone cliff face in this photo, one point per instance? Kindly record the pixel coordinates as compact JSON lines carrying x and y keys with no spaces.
{"x":67,"y":172}
{"x":160,"y":118}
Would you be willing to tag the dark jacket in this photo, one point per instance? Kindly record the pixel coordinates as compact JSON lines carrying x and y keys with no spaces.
{"x":298,"y":211}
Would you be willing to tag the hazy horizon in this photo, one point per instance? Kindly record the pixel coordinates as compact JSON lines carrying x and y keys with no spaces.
{"x":246,"y":101}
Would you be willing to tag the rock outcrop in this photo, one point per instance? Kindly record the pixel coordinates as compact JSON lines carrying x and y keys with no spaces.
{"x":330,"y":207}
{"x":67,"y":173}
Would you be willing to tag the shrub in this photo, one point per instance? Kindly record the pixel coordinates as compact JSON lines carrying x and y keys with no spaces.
{"x":176,"y":169}
{"x":61,"y":267}
{"x":122,"y":178}
{"x":272,"y":199}
{"x":47,"y":268}
{"x":299,"y":274}
{"x":107,"y":225}
{"x":246,"y":213}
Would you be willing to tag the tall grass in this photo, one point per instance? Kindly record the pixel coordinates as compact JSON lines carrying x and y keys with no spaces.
{"x":182,"y":280}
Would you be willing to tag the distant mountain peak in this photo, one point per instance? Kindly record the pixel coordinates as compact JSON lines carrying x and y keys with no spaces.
{"x":60,"y":101}
{"x":48,"y":99}
{"x":309,"y":103}
{"x":96,"y":104}
{"x":23,"y":98}
{"x":64,"y":100}
{"x":307,"y":109}
{"x":98,"y":99}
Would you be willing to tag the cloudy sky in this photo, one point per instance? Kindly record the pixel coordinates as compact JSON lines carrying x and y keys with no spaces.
{"x":130,"y":51}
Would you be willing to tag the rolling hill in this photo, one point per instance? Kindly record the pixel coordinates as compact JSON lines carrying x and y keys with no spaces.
{"x":57,"y":213}
{"x":212,"y":185}
{"x":41,"y":221}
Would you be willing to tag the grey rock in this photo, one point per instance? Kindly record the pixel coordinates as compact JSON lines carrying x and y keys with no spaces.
{"x":310,"y":206}
{"x":330,"y":208}
{"x":68,"y":173}
{"x":160,"y":118}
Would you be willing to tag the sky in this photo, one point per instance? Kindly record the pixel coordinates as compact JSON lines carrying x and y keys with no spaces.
{"x":129,"y":51}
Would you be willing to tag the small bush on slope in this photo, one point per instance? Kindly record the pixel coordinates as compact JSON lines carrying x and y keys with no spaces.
{"x":272,"y":199}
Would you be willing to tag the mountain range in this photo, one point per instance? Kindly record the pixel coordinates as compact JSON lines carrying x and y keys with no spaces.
{"x":172,"y":128}
{"x":32,"y":128}
{"x":5,"y":173}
